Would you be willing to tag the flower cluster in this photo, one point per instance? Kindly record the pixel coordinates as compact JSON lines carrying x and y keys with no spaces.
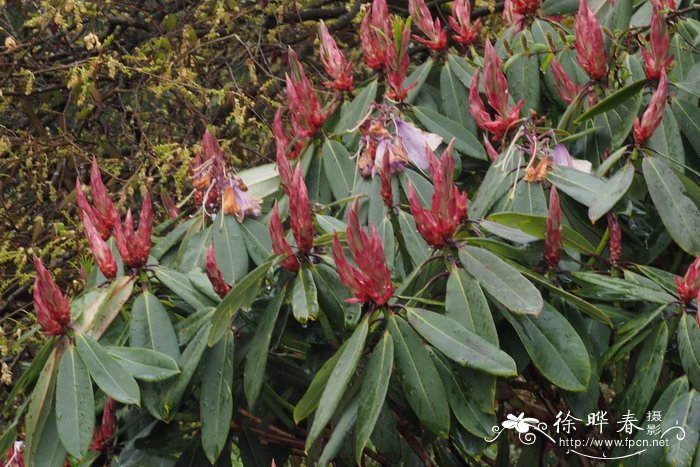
{"x":436,"y":36}
{"x":51,"y":306}
{"x":689,"y":286}
{"x":370,"y":281}
{"x":651,"y":118}
{"x":515,"y":12}
{"x":589,"y":43}
{"x":375,"y":32}
{"x":461,"y":22}
{"x":215,"y":187}
{"x":334,"y":61}
{"x":496,"y":88}
{"x":448,"y":208}
{"x":101,"y":440}
{"x":657,"y":60}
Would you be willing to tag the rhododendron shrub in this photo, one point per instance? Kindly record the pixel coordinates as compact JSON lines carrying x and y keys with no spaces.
{"x":462,"y":234}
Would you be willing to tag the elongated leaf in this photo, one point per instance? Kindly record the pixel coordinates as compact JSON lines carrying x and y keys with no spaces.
{"x":374,"y":389}
{"x":332,"y":295}
{"x":681,"y":423}
{"x":109,"y":375}
{"x":75,"y":404}
{"x":338,"y":382}
{"x":229,"y":248}
{"x":678,"y":212}
{"x":357,"y":109}
{"x":421,"y":382}
{"x":616,"y":288}
{"x":180,"y":285}
{"x":505,"y":284}
{"x":461,"y":69}
{"x":416,"y":79}
{"x":193,"y":249}
{"x":151,"y":327}
{"x":96,"y":321}
{"x":454,"y":98}
{"x":40,"y":406}
{"x":688,"y":118}
{"x":509,"y":233}
{"x":339,"y":168}
{"x":418,"y":250}
{"x":689,"y":348}
{"x":256,"y":236}
{"x":465,"y":142}
{"x":50,"y":451}
{"x":524,"y":79}
{"x":537,"y":226}
{"x":309,"y":401}
{"x":581,"y":186}
{"x":258,"y":350}
{"x":145,"y":364}
{"x":615,"y":189}
{"x":216,"y":403}
{"x":647,"y":370}
{"x":500,"y":177}
{"x":554,"y":347}
{"x":466,"y":304}
{"x":304,"y":296}
{"x":612,"y":101}
{"x":341,"y":430}
{"x":667,"y":140}
{"x":262,"y":180}
{"x":459,"y":344}
{"x":242,"y":295}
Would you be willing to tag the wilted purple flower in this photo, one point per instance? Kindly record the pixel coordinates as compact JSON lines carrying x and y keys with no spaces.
{"x":562,"y":158}
{"x":414,"y":142}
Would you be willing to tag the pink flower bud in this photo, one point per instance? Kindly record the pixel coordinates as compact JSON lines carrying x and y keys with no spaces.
{"x":589,"y":43}
{"x":334,"y":62}
{"x":397,"y":62}
{"x":135,"y":246}
{"x":385,"y":177}
{"x":15,"y":455}
{"x":300,"y":213}
{"x":490,"y":150}
{"x":100,"y":195}
{"x":565,"y":85}
{"x":280,"y":245}
{"x":101,"y":438}
{"x":170,"y":208}
{"x":214,"y":274}
{"x":305,"y":109}
{"x":100,"y":250}
{"x":460,"y":20}
{"x":653,"y":114}
{"x":375,"y":32}
{"x":657,"y":59}
{"x":689,"y":285}
{"x":52,"y":308}
{"x":615,"y":242}
{"x":552,"y":238}
{"x":437,"y":37}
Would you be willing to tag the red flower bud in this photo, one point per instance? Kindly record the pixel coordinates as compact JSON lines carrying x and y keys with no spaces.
{"x":565,"y":85}
{"x":300,"y":214}
{"x":589,"y":43}
{"x":515,"y":12}
{"x":437,"y":37}
{"x":370,"y":281}
{"x":15,"y":455}
{"x":100,"y":195}
{"x":490,"y":150}
{"x":305,"y":109}
{"x":101,"y":438}
{"x":100,"y":250}
{"x":657,"y":59}
{"x":135,"y":246}
{"x":664,"y":4}
{"x":334,"y":62}
{"x":552,"y":238}
{"x":375,"y":32}
{"x":460,"y":20}
{"x":170,"y":208}
{"x":397,"y":62}
{"x":615,"y":242}
{"x":653,"y":114}
{"x":448,"y":207}
{"x":214,"y":274}
{"x":385,"y":177}
{"x":280,"y":245}
{"x":284,"y":168}
{"x":52,"y":308}
{"x":689,"y":286}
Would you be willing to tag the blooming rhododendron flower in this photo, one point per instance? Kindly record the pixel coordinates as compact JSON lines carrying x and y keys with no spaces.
{"x":589,"y":43}
{"x":561,"y":157}
{"x":448,"y":208}
{"x":370,"y":280}
{"x":51,"y":306}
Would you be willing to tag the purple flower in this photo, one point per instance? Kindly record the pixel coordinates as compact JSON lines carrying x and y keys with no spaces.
{"x":563,"y":158}
{"x":414,"y":142}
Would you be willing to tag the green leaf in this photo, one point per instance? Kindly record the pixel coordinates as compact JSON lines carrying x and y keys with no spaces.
{"x":216,"y":402}
{"x":374,"y":389}
{"x":180,"y":285}
{"x":258,"y":350}
{"x":262,"y":180}
{"x":667,"y":140}
{"x":689,"y":348}
{"x":193,"y":249}
{"x":164,"y":244}
{"x":96,"y":319}
{"x":229,"y":248}
{"x":145,"y":364}
{"x":420,"y":380}
{"x":460,"y":68}
{"x":678,"y":212}
{"x":554,"y":347}
{"x":465,"y":142}
{"x":50,"y":451}
{"x":647,"y":369}
{"x":688,"y":118}
{"x":332,"y":295}
{"x":40,"y":407}
{"x":309,"y":401}
{"x":418,"y":250}
{"x":581,"y":186}
{"x":338,"y":382}
{"x":459,"y":344}
{"x":537,"y":226}
{"x":341,"y":430}
{"x":524,"y":79}
{"x":501,"y":175}
{"x":684,"y":414}
{"x":357,"y":109}
{"x":417,"y":77}
{"x":614,"y":288}
{"x":508,"y":233}
{"x":454,"y":98}
{"x":75,"y":404}
{"x":339,"y":168}
{"x":256,"y":236}
{"x":505,"y":284}
{"x":614,"y":190}
{"x":109,"y":375}
{"x":151,"y":328}
{"x":242,"y":295}
{"x":174,"y":389}
{"x":613,"y":100}
{"x":466,"y":304}
{"x":304,"y":296}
